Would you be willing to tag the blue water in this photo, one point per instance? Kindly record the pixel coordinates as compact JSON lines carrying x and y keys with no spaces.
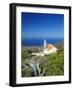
{"x":39,"y":42}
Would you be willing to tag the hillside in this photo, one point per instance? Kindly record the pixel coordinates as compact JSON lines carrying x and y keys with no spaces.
{"x":48,"y":65}
{"x":54,"y":63}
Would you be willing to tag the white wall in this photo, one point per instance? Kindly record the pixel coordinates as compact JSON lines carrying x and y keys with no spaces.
{"x":4,"y":45}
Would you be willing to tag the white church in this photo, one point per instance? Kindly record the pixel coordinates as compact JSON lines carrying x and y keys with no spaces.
{"x":47,"y":49}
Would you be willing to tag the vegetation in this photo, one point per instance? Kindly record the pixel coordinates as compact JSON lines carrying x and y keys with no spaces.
{"x":54,"y":64}
{"x":51,"y":65}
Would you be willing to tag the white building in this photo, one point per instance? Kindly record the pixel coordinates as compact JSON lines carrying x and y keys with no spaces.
{"x":47,"y":49}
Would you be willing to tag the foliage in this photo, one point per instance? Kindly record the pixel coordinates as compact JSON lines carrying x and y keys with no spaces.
{"x":52,"y":65}
{"x":26,"y":72}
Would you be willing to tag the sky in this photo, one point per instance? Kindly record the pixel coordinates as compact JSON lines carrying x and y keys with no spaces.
{"x":42,"y":25}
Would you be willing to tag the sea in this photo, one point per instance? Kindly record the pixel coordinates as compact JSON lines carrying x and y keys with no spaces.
{"x":39,"y":41}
